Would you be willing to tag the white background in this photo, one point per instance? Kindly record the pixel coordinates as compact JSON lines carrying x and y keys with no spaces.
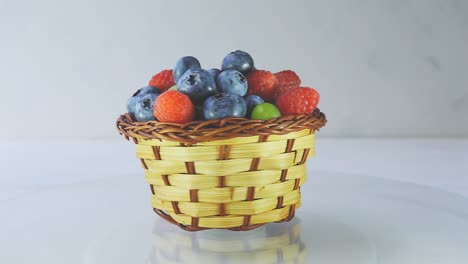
{"x":383,"y":68}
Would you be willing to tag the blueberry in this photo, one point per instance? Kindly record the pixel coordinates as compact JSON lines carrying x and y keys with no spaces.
{"x":184,"y":64}
{"x":238,"y":60}
{"x":145,"y":107}
{"x":198,"y":84}
{"x":252,"y":101}
{"x":132,"y":101}
{"x":224,"y":105}
{"x":214,"y":72}
{"x":232,"y":81}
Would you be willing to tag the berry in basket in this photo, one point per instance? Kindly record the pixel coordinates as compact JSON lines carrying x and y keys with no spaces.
{"x":140,"y":105}
{"x":198,"y":84}
{"x":184,"y":64}
{"x":174,"y":107}
{"x":224,"y":105}
{"x":252,"y":101}
{"x":162,"y":80}
{"x":233,"y":91}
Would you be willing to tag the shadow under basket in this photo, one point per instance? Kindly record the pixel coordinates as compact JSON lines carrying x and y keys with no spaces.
{"x":232,"y":173}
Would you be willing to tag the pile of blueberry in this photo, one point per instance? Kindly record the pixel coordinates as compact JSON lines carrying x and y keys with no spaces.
{"x":188,"y":92}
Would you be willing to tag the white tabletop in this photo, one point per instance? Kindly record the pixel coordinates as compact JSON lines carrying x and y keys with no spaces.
{"x":365,"y":201}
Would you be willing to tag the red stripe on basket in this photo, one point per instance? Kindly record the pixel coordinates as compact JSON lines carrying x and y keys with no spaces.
{"x":190,"y":167}
{"x":289,"y":145}
{"x":194,"y":195}
{"x":165,"y":179}
{"x":250,"y":193}
{"x":156,"y":153}
{"x":304,"y":156}
{"x":292,"y":211}
{"x":284,"y":173}
{"x":296,"y":184}
{"x":256,"y":161}
{"x":222,"y":209}
{"x":254,"y":164}
{"x":224,"y":152}
{"x":247,"y":220}
{"x":143,"y":163}
{"x":175,"y":207}
{"x":194,"y":222}
{"x":280,"y":202}
{"x":221,"y":181}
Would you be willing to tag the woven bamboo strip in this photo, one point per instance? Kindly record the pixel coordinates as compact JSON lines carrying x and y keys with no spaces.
{"x":221,"y":129}
{"x":203,"y":209}
{"x":207,"y":152}
{"x":223,"y":195}
{"x":273,"y":215}
{"x":190,"y":181}
{"x":165,"y":167}
{"x":241,"y":179}
{"x":278,"y":162}
{"x":226,"y":194}
{"x":234,"y":221}
{"x":304,"y":142}
{"x":260,"y":178}
{"x":232,"y":141}
{"x":156,"y":142}
{"x":226,"y":167}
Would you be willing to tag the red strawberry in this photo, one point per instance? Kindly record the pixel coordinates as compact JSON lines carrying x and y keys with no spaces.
{"x":297,"y":101}
{"x":162,"y":80}
{"x":261,"y":83}
{"x":174,"y":107}
{"x":286,"y":80}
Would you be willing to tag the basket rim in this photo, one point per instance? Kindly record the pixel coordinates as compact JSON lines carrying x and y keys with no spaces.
{"x":218,"y":129}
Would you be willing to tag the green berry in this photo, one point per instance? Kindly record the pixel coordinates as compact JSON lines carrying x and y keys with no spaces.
{"x":174,"y":87}
{"x":265,"y":111}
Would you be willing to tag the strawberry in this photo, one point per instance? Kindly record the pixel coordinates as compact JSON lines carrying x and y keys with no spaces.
{"x":261,"y":83}
{"x":297,"y":101}
{"x":174,"y":107}
{"x":162,"y":80}
{"x":286,"y":80}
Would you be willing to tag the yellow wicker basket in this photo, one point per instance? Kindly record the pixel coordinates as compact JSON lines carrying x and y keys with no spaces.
{"x":233,"y":173}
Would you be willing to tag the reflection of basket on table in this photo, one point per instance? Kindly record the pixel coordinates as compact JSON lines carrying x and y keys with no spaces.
{"x":270,"y":244}
{"x":234,"y":173}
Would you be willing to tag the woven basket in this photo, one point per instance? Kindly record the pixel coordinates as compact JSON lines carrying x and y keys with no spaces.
{"x":233,"y":173}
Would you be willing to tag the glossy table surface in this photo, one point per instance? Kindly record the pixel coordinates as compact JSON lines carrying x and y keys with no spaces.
{"x":94,"y":208}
